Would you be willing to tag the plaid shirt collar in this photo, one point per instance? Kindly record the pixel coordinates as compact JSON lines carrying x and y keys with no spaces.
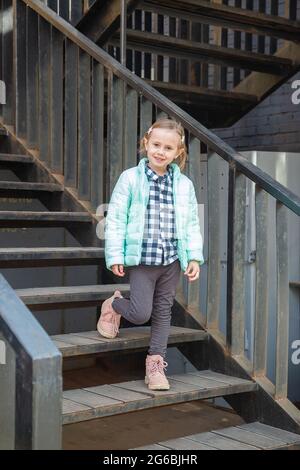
{"x":154,"y":176}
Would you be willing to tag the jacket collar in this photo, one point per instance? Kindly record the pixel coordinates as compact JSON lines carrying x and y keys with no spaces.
{"x":174,"y":166}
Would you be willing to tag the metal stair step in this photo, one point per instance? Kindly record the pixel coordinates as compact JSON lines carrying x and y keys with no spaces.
{"x":251,"y":436}
{"x":15,"y":158}
{"x":41,"y":219}
{"x":90,"y":342}
{"x":106,"y":400}
{"x":66,"y":256}
{"x":43,"y":298}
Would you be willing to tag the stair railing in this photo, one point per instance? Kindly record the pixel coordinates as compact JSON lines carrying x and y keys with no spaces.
{"x":85,"y":115}
{"x":30,"y":379}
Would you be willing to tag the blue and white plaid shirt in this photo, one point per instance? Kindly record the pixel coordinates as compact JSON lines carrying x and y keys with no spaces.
{"x":159,"y":240}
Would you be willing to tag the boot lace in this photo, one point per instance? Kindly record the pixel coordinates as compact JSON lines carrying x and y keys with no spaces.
{"x":115,"y":323}
{"x":157,"y":366}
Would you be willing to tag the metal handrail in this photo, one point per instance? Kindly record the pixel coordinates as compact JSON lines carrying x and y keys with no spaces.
{"x":31,"y":378}
{"x":236,"y":160}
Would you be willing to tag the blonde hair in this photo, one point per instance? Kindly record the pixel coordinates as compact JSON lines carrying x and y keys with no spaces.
{"x":170,"y":124}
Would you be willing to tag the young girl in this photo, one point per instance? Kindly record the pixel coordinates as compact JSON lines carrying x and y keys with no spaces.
{"x":152,"y":228}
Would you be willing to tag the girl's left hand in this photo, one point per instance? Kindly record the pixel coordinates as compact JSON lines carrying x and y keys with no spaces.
{"x":192,"y":271}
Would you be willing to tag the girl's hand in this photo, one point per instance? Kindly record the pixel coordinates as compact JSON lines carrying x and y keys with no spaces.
{"x":192,"y":271}
{"x":118,"y":270}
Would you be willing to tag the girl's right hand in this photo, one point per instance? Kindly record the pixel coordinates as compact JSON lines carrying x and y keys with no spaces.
{"x":118,"y":270}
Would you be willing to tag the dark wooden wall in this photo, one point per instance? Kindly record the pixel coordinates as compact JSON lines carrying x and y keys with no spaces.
{"x":272,"y":125}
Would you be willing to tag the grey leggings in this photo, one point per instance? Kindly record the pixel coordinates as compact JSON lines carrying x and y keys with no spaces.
{"x":152,"y":293}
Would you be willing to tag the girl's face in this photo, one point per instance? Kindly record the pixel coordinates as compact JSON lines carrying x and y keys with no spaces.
{"x":162,"y":148}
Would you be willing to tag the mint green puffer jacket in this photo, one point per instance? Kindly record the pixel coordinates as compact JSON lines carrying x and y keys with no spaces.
{"x":124,"y":225}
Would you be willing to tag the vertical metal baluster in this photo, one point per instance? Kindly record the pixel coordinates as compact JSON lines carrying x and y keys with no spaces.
{"x":123,"y":26}
{"x":194,"y":173}
{"x":7,"y":62}
{"x":44,"y":89}
{"x":262,"y":287}
{"x":282,"y":324}
{"x":56,"y":102}
{"x":19,"y":11}
{"x":97,"y":144}
{"x":230,"y":254}
{"x":115,"y":132}
{"x":32,"y":73}
{"x":236,"y":314}
{"x":70,"y":116}
{"x":84,"y":126}
{"x":214,"y":256}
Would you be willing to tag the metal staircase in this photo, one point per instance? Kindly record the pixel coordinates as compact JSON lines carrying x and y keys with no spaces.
{"x":70,"y":132}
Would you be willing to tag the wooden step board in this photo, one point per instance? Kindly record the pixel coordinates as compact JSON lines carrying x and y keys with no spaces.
{"x":25,"y":189}
{"x":15,"y":158}
{"x":253,"y":436}
{"x":203,"y":96}
{"x":295,"y":283}
{"x":212,"y":107}
{"x":42,"y":219}
{"x":43,"y":298}
{"x":66,"y":256}
{"x":239,"y":19}
{"x":106,"y":400}
{"x":185,"y":49}
{"x":90,"y":342}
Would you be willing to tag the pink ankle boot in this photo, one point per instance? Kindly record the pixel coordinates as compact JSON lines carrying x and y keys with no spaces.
{"x":109,"y":321}
{"x":155,"y":375}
